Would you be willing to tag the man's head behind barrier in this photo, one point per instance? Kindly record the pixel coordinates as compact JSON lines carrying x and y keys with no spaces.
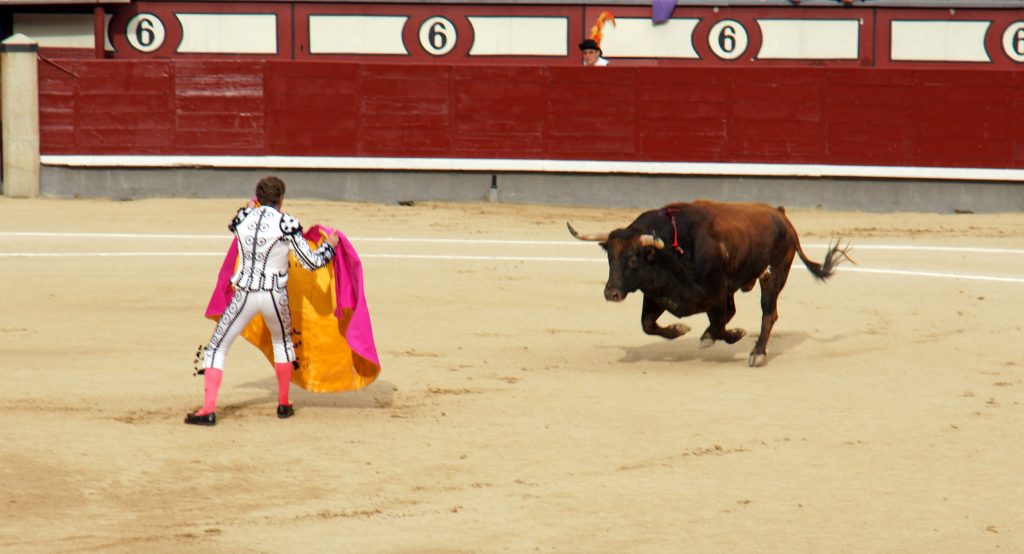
{"x":270,"y":191}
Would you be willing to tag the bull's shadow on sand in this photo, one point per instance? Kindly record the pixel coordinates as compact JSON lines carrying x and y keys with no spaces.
{"x":379,"y":394}
{"x":687,"y":349}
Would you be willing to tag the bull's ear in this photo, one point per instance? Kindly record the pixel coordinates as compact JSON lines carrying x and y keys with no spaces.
{"x":603,"y":245}
{"x":650,"y":253}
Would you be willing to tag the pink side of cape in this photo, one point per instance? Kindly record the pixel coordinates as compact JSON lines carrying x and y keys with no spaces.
{"x":223,"y":291}
{"x":348,"y":290}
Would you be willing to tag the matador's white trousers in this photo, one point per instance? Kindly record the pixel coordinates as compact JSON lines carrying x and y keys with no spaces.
{"x":245,"y":304}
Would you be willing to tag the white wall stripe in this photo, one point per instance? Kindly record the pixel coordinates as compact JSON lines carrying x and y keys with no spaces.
{"x":228,"y":33}
{"x":939,"y":41}
{"x":809,"y":39}
{"x":542,"y":166}
{"x":356,"y":34}
{"x":58,"y":30}
{"x":633,"y":37}
{"x":519,"y":36}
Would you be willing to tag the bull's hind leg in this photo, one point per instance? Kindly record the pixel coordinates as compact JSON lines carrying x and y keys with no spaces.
{"x":771,"y":285}
{"x":719,"y":315}
{"x":649,"y":321}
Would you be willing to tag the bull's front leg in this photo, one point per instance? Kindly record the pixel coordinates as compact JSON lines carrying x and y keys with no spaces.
{"x":649,"y":321}
{"x":718,"y":316}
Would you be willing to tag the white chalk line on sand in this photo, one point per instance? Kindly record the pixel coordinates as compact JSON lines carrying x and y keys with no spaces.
{"x":448,"y":257}
{"x":525,"y":242}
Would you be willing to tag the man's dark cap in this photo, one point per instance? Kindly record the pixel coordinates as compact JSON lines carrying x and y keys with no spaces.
{"x":589,"y":44}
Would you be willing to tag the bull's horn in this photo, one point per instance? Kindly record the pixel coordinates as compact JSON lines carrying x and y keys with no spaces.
{"x":596,"y":236}
{"x":651,"y":240}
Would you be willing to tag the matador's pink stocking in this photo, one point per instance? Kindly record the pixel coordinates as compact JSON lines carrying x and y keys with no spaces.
{"x":284,"y":380}
{"x":211,"y":378}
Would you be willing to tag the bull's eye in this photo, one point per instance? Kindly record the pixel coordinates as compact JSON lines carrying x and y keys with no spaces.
{"x":634,"y":261}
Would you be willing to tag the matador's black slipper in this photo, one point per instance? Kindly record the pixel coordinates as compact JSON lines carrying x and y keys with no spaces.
{"x":208,"y":420}
{"x":285,"y":411}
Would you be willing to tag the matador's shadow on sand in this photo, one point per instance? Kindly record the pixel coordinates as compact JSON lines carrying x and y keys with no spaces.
{"x":379,"y":394}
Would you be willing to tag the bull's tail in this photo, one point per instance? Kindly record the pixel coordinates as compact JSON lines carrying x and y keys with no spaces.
{"x":836,"y":254}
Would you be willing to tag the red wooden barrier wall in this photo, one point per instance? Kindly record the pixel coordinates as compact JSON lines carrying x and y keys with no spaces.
{"x":944,"y":118}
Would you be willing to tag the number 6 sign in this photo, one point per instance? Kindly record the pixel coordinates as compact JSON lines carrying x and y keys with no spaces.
{"x":1013,"y":41}
{"x":728,"y":39}
{"x":145,"y":32}
{"x":438,"y":36}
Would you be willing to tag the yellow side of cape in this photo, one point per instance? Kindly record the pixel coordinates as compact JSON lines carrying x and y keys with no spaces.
{"x":325,"y":361}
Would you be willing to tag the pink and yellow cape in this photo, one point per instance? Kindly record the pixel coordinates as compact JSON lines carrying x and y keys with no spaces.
{"x":330,"y":321}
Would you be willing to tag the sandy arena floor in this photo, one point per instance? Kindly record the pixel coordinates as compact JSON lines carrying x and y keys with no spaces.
{"x":517,"y":411}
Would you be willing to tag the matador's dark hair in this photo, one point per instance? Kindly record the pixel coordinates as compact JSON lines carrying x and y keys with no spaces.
{"x":270,"y":191}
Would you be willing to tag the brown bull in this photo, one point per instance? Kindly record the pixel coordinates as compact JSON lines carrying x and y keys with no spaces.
{"x":689,"y":258}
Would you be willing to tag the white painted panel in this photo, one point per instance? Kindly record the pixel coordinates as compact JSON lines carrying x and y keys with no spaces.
{"x":520,"y":36}
{"x":107,"y":45}
{"x":809,"y":39}
{"x":356,"y":34}
{"x":639,"y":38}
{"x":939,"y":41}
{"x":223,"y":33}
{"x":56,"y":30}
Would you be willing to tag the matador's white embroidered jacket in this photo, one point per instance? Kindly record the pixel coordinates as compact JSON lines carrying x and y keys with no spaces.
{"x":264,"y":237}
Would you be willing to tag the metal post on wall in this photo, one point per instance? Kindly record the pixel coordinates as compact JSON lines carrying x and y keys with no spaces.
{"x":99,"y":32}
{"x":19,"y":115}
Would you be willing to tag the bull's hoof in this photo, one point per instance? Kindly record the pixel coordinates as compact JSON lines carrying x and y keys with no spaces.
{"x":734,"y":335}
{"x":678,"y":329}
{"x":757,"y":360}
{"x":707,"y":341}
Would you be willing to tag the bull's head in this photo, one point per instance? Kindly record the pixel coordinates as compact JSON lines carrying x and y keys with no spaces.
{"x":630,"y":253}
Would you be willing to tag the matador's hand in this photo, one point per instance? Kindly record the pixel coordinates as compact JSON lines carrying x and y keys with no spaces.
{"x":332,"y":239}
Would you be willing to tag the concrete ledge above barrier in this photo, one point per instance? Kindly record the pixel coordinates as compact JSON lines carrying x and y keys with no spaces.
{"x":922,"y":194}
{"x":542,"y":166}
